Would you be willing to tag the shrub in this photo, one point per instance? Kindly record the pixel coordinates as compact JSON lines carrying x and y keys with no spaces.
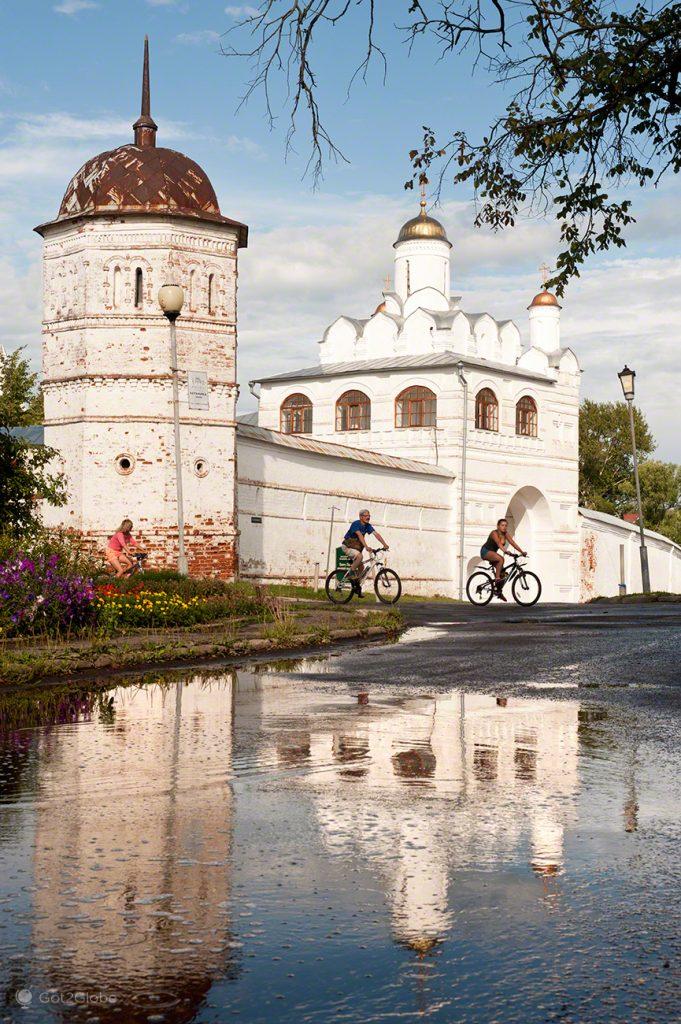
{"x":36,"y":596}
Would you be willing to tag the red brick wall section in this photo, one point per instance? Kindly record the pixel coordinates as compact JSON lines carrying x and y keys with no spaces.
{"x":209,"y":553}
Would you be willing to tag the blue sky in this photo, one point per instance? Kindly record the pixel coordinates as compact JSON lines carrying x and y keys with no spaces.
{"x":70,"y":86}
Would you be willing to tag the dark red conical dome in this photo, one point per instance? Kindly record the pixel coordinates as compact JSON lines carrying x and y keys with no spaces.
{"x":142,"y":178}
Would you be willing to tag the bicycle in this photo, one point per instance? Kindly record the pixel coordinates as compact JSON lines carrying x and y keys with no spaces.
{"x":137,"y":566}
{"x":525,"y":586}
{"x":339,"y":584}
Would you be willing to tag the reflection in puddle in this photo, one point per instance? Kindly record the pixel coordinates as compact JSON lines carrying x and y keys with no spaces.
{"x":265,"y":843}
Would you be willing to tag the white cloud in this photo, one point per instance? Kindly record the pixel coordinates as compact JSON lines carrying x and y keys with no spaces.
{"x":242,"y":12}
{"x":20,"y":300}
{"x":53,"y":146}
{"x":60,"y":125}
{"x":74,"y":6}
{"x":199,"y":38}
{"x":242,"y":144}
{"x":24,"y":162}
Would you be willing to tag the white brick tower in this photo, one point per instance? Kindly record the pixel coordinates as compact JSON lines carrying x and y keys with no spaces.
{"x":132,"y":219}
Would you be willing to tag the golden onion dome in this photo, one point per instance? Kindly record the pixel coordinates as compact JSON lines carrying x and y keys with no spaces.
{"x":380,"y":308}
{"x":422,"y":227}
{"x":544,"y":298}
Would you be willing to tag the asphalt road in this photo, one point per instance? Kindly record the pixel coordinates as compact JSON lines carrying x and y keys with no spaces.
{"x":631,"y":645}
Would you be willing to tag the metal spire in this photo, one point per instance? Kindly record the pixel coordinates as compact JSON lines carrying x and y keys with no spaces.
{"x":145,"y":126}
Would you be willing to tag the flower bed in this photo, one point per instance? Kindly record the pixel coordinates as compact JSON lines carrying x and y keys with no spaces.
{"x":143,"y":607}
{"x":36,"y":596}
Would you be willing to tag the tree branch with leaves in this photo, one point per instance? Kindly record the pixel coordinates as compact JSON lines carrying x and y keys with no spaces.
{"x":595,"y":105}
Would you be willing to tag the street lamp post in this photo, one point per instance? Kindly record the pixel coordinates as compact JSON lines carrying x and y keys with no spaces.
{"x":626,"y":377}
{"x":464,"y":440}
{"x":171,"y":300}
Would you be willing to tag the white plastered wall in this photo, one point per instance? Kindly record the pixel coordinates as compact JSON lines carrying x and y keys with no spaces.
{"x":286,"y":497}
{"x":610,"y":555}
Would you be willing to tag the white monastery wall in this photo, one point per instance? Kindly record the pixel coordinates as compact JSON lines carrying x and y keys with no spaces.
{"x":610,"y":555}
{"x":286,"y":496}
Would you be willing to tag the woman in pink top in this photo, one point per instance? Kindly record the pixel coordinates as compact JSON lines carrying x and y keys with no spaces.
{"x":118,"y":549}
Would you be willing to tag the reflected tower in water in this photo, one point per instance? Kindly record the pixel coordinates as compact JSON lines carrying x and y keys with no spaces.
{"x":132,"y":851}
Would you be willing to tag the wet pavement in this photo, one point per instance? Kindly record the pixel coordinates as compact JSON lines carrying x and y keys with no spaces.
{"x":478,"y":823}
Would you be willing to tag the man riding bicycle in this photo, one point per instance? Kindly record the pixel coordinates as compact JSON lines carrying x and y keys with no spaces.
{"x":354,"y":544}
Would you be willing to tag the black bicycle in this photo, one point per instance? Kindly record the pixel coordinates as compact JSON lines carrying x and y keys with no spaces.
{"x":525,"y":585}
{"x":139,"y":558}
{"x":387,"y":584}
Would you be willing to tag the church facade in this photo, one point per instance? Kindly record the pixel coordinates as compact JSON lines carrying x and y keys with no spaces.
{"x":407,"y":380}
{"x":441,"y":420}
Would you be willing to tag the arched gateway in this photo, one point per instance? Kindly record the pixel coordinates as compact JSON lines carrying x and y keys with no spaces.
{"x":530,"y":523}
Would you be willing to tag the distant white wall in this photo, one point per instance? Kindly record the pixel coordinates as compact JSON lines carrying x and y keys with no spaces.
{"x":610,"y":556}
{"x":285,"y":499}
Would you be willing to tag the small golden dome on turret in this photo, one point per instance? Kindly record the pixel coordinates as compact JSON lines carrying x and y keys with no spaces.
{"x":544,"y":298}
{"x":422,"y":226}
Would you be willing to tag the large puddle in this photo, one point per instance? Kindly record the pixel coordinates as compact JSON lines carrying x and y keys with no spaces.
{"x":280,"y":846}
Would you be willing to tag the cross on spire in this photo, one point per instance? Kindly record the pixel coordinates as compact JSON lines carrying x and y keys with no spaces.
{"x":545,"y":271}
{"x":145,"y":127}
{"x":423,"y":198}
{"x":387,"y":284}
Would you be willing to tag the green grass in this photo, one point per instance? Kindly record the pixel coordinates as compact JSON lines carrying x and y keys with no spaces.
{"x":657,"y":596}
{"x":292,"y":590}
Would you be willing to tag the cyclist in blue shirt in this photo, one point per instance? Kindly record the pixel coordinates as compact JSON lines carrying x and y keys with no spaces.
{"x":354,"y":543}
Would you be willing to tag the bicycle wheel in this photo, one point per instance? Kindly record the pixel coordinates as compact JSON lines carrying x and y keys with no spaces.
{"x":338,"y":587}
{"x":480,"y":588}
{"x":388,"y":586}
{"x":526,"y":588}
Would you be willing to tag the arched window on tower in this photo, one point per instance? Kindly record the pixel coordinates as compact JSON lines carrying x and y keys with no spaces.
{"x":116,"y":287}
{"x":353,"y":411}
{"x":139,"y":288}
{"x":211,"y":296}
{"x":416,"y":407}
{"x":296,"y":415}
{"x":486,"y":410}
{"x":526,"y":417}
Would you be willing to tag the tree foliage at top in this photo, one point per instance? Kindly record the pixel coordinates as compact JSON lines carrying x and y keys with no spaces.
{"x":26,"y":477}
{"x":595,"y":101}
{"x":606,"y":468}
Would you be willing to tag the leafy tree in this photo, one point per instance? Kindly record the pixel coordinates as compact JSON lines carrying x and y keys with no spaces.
{"x":660,"y":491}
{"x":671,"y":525}
{"x":595,"y":101}
{"x":26,"y":476}
{"x":606,"y":467}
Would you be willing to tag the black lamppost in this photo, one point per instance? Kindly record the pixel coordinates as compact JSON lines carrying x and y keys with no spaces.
{"x":626,"y":377}
{"x":171,"y":300}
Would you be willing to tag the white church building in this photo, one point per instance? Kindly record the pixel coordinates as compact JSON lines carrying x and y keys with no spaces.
{"x":439,"y":420}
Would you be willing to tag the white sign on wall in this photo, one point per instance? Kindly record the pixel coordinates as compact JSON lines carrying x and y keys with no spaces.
{"x":197,"y":387}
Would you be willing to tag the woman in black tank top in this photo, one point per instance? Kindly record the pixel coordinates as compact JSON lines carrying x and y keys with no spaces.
{"x":493,"y":548}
